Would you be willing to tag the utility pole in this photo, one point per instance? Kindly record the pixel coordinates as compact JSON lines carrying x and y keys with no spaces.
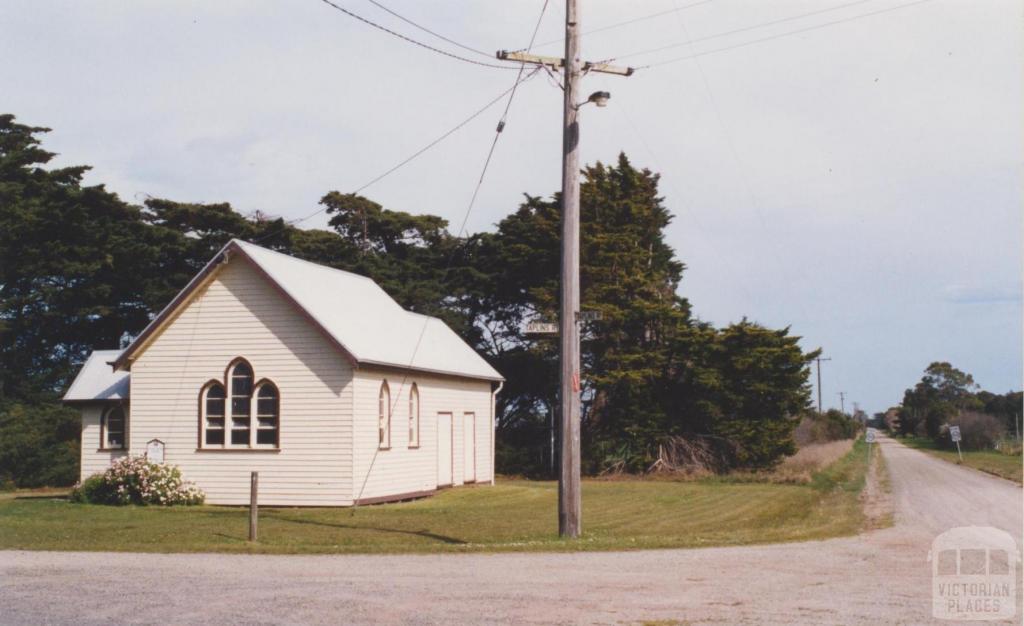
{"x":842,"y":402}
{"x":569,"y":504}
{"x":818,"y":360}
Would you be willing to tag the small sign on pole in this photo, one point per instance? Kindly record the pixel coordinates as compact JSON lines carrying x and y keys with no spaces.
{"x":869,"y":437}
{"x":542,"y":328}
{"x":589,"y":316}
{"x":954,"y":434}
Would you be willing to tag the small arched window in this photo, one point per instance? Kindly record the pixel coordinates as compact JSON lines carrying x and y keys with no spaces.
{"x":240,"y":379}
{"x":414,"y":416}
{"x":213,"y":414}
{"x":113,"y":428}
{"x":384,"y":416}
{"x":267,"y":407}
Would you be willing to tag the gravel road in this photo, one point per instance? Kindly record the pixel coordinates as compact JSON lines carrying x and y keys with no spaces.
{"x":879,"y":577}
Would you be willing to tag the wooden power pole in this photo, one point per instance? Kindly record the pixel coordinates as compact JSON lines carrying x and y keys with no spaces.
{"x":569,"y":504}
{"x":819,"y":360}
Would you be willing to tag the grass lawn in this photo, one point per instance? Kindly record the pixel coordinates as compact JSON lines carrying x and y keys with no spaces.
{"x":514,"y":515}
{"x":1009,"y":466}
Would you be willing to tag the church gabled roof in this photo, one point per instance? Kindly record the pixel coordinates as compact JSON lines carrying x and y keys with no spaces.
{"x":352,"y":311}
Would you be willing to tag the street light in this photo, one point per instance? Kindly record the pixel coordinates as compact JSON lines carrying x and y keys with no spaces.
{"x":600,"y":98}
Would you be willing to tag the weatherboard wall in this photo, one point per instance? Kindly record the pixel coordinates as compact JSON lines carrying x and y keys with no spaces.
{"x":94,"y":458}
{"x":400,"y":468}
{"x":239,"y":314}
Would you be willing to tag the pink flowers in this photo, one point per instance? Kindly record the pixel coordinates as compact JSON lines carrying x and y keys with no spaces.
{"x":134,"y":480}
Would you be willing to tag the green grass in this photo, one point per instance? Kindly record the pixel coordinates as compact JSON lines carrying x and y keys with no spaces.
{"x":1010,"y":466}
{"x":514,"y":515}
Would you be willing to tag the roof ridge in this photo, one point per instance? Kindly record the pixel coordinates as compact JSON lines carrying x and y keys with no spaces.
{"x":307,"y":261}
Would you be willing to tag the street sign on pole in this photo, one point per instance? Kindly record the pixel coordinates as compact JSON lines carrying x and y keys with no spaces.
{"x":870,"y":436}
{"x":570,"y":509}
{"x":542,"y":328}
{"x":588,"y":316}
{"x":954,"y":434}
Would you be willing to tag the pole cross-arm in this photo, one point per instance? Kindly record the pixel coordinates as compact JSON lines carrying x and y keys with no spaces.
{"x":557,"y":63}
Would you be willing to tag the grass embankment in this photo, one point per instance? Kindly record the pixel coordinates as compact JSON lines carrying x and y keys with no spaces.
{"x":514,"y":515}
{"x":1009,"y":466}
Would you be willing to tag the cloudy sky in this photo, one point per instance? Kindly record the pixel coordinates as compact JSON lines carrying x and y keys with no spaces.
{"x":852,"y":169}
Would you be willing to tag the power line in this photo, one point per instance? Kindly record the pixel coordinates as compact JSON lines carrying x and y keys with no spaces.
{"x":745,"y":176}
{"x":743,"y":29}
{"x":522,"y":67}
{"x":427,"y":30}
{"x":772,"y":37}
{"x":410,"y":158}
{"x":625,"y":23}
{"x":462,"y":227}
{"x":413,"y":41}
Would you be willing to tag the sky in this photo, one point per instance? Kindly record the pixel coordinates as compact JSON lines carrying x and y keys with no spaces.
{"x":852,"y":170}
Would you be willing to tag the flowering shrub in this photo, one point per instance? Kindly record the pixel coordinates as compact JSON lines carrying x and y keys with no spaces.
{"x":134,"y":480}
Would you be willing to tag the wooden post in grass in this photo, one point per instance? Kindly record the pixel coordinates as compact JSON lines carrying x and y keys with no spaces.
{"x":254,"y":509}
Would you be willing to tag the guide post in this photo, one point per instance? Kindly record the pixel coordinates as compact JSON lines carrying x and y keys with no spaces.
{"x":954,"y":434}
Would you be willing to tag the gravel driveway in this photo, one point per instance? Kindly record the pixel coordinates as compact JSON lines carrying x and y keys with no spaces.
{"x":879,"y":577}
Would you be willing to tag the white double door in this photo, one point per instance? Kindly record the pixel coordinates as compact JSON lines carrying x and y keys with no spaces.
{"x":446,"y":448}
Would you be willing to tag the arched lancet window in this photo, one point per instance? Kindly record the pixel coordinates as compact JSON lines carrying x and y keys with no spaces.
{"x":414,"y":416}
{"x":238,"y":412}
{"x":267,"y":407}
{"x":384,"y":416}
{"x":213,"y":414}
{"x":113,"y":429}
{"x":240,"y":381}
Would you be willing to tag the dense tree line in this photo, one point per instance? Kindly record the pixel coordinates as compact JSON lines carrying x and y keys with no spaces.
{"x":946,"y":395}
{"x":79,"y":267}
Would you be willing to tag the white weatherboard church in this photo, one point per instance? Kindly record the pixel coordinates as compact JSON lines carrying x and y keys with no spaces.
{"x":312,"y":376}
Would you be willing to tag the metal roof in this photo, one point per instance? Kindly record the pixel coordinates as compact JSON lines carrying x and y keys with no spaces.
{"x":366,"y":321}
{"x":355,"y":314}
{"x":97,"y":381}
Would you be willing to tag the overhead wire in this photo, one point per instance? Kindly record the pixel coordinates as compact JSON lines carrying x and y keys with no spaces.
{"x":762,"y":39}
{"x":408,"y":159}
{"x":462,"y":227}
{"x":428,"y":31}
{"x":624,"y":23}
{"x":743,"y":29}
{"x":414,"y":41}
{"x":744,"y":174}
